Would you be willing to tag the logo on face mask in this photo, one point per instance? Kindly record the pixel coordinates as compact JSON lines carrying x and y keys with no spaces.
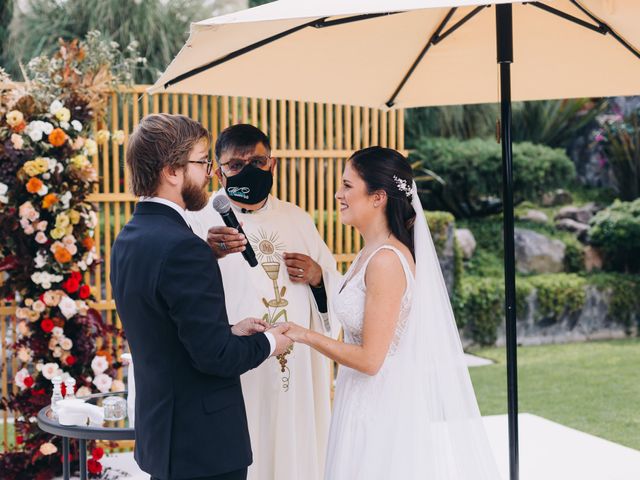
{"x":251,"y":185}
{"x":239,"y":192}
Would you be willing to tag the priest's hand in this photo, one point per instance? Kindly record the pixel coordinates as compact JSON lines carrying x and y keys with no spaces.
{"x":225,"y":240}
{"x":249,"y":326}
{"x":303,"y":269}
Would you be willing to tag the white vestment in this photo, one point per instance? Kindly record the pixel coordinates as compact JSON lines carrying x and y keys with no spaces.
{"x":288,"y":419}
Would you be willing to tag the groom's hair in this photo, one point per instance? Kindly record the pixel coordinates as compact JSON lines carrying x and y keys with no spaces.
{"x":239,"y":139}
{"x":161,"y":140}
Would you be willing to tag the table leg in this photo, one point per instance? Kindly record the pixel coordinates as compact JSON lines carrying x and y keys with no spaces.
{"x":82,"y":446}
{"x":66,"y":470}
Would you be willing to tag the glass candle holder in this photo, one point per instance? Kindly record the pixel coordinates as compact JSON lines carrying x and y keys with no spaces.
{"x":115,"y":408}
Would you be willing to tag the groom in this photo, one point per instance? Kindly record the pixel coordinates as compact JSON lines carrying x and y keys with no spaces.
{"x":190,"y":415}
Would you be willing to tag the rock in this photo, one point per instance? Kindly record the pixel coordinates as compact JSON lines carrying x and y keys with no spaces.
{"x":572,"y":226}
{"x":580,"y":214}
{"x":536,"y":253}
{"x":446,"y":256}
{"x":592,"y":259}
{"x":558,"y":197}
{"x":466,"y":241}
{"x":535,"y":216}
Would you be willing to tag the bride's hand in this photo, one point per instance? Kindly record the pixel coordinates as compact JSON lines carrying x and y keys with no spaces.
{"x":296,"y":332}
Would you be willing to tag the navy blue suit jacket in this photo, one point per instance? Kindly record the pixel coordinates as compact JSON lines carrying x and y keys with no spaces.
{"x":190,"y":414}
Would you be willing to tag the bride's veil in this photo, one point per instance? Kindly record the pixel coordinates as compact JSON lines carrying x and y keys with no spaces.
{"x":436,"y":415}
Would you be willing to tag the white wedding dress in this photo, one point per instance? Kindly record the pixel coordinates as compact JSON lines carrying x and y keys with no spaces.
{"x":418,"y":417}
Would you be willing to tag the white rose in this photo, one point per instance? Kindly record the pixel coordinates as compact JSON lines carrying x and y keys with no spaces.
{"x":57,"y":352}
{"x":55,"y":106}
{"x":65,"y":198}
{"x":39,"y":306}
{"x":77,"y":126}
{"x":50,"y":370}
{"x":40,"y":261}
{"x":68,"y":307}
{"x":43,"y":190}
{"x":47,"y":128}
{"x":103,"y":382}
{"x":48,"y":449}
{"x":99,"y":364}
{"x":83,"y":391}
{"x":34,"y":133}
{"x":24,"y":355}
{"x":41,"y":238}
{"x":66,"y":343}
{"x":20,"y":377}
{"x":117,"y":386}
{"x":91,"y":147}
{"x":57,"y":332}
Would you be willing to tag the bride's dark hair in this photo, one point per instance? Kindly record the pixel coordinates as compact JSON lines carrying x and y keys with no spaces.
{"x":377,"y":166}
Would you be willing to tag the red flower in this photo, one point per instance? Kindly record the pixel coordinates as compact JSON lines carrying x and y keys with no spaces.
{"x":35,"y":392}
{"x":19,"y":439}
{"x":28,"y":381}
{"x":71,"y":285}
{"x":97,"y":453}
{"x":85,"y":292}
{"x":94,"y":466}
{"x":47,"y":325}
{"x":71,"y":360}
{"x":76,"y":276}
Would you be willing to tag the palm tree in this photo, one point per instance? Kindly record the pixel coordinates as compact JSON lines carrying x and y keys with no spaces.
{"x":159,"y":27}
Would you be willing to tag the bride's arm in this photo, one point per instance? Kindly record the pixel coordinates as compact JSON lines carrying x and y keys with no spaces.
{"x":385,"y":286}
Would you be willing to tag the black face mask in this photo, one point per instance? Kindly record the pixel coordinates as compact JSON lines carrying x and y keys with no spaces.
{"x":250,"y":186}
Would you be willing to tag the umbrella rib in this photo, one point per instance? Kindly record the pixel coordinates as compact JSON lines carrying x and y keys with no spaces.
{"x":608,"y":29}
{"x":239,"y":52}
{"x":317,"y":23}
{"x":433,"y":40}
{"x":601,"y":27}
{"x":547,"y":8}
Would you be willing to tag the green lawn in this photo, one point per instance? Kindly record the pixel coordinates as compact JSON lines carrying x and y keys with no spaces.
{"x":593,"y":387}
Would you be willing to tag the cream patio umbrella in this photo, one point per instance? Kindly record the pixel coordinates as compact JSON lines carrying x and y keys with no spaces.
{"x":410,"y":53}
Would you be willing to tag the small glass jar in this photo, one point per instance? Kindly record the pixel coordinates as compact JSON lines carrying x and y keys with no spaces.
{"x":115,"y":408}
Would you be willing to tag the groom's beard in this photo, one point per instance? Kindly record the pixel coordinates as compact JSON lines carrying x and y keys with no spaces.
{"x":194,"y":197}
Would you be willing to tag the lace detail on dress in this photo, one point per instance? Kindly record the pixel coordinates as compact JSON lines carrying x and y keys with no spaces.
{"x":350,"y":302}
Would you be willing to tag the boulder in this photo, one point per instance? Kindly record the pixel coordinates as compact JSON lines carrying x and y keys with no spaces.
{"x":579,"y":214}
{"x":558,"y":197}
{"x":572,"y":226}
{"x":466,"y":242}
{"x":536,"y":253}
{"x":535,"y":216}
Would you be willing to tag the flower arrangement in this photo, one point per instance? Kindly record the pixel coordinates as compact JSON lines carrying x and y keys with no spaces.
{"x":46,"y":141}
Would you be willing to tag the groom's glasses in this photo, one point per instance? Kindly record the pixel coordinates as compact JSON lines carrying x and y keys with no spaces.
{"x":209,"y":164}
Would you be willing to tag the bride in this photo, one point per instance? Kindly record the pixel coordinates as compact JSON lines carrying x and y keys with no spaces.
{"x":404,"y":405}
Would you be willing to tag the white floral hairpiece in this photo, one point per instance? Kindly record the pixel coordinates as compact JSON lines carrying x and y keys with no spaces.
{"x":403,"y":186}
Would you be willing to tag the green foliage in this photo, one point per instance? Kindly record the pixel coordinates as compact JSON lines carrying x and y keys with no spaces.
{"x":459,"y":121}
{"x":625,"y":295}
{"x":471,"y":171}
{"x":6,"y":14}
{"x":573,"y":255}
{"x":558,"y":294}
{"x":554,"y":122}
{"x":478,"y":304}
{"x":616,"y":231}
{"x":160,"y":28}
{"x":439,"y":223}
{"x":620,"y":138}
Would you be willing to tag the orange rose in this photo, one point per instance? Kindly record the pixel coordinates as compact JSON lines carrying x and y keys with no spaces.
{"x":106,"y":354}
{"x":57,"y":137}
{"x":88,"y":243}
{"x":62,"y":255}
{"x":34,"y":185}
{"x":49,"y":200}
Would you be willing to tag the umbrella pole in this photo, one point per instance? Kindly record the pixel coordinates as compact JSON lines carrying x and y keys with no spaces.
{"x":504,"y":33}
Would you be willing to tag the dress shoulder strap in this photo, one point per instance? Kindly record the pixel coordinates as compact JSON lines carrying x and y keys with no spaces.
{"x":405,"y":265}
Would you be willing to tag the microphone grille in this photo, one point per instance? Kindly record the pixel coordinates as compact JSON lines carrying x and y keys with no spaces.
{"x":221,"y":204}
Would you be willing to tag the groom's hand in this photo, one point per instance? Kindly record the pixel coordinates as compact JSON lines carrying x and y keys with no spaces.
{"x":249,"y":326}
{"x":282,"y":342}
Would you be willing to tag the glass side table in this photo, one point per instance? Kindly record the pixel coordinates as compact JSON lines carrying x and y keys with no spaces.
{"x":108,"y":431}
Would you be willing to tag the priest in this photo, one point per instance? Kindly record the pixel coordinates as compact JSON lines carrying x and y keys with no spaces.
{"x":288,"y":398}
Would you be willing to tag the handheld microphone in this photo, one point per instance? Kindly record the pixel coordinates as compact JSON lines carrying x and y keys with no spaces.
{"x":222,"y":205}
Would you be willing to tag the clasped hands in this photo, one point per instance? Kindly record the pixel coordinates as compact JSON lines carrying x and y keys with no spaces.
{"x":284,"y":333}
